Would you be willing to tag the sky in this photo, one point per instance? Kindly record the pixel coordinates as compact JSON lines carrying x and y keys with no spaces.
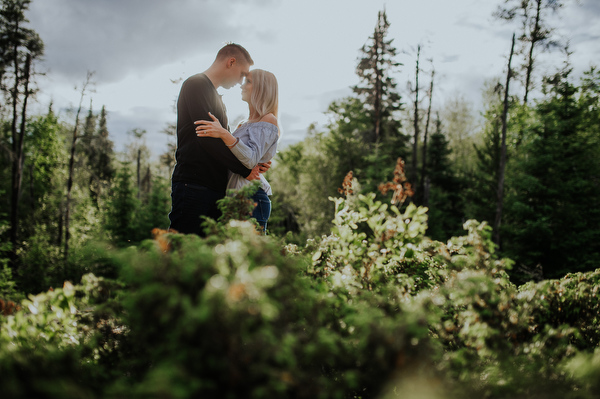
{"x":140,"y":51}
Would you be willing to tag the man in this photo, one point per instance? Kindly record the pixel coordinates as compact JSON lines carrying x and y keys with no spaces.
{"x":200,"y":175}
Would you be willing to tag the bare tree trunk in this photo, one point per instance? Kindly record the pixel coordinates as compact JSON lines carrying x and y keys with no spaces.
{"x":425,"y":134}
{"x":148,"y":179}
{"x":534,"y":40}
{"x":61,"y":219}
{"x":502,"y":166}
{"x":71,"y":166}
{"x":139,"y":180}
{"x":416,"y":121}
{"x":378,"y":85}
{"x":31,"y":189}
{"x":18,"y":156}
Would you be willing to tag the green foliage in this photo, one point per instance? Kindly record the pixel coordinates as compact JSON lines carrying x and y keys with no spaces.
{"x":131,"y":216}
{"x":302,"y":180}
{"x":57,"y":340}
{"x":238,"y":319}
{"x":378,"y":87}
{"x":373,"y":308}
{"x":154,"y":212}
{"x":306,"y":174}
{"x":122,"y":206}
{"x":445,"y":198}
{"x":585,"y":369}
{"x":571,"y":301}
{"x":552,"y":217}
{"x":238,"y":204}
{"x":95,"y":151}
{"x":7,"y":285}
{"x":374,"y":243}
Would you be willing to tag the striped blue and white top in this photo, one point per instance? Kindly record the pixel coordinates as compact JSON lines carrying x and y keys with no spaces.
{"x":258,"y":143}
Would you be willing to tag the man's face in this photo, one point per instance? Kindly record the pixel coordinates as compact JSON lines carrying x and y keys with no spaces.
{"x":237,"y":71}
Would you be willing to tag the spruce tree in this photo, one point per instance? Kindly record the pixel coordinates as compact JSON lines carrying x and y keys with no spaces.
{"x":554,"y":215}
{"x":378,"y":88}
{"x":104,"y":146}
{"x":481,"y":194}
{"x":20,"y":47}
{"x":121,"y":210}
{"x":445,"y":189}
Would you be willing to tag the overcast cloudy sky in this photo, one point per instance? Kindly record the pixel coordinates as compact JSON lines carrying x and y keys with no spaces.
{"x":140,"y":50}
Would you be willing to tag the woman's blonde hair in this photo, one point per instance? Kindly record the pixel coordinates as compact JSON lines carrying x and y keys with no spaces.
{"x":265,"y":92}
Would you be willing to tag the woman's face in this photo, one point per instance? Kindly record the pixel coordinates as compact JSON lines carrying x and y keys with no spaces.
{"x":247,"y":88}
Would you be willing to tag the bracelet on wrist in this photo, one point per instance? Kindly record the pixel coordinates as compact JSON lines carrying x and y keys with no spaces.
{"x":237,"y":139}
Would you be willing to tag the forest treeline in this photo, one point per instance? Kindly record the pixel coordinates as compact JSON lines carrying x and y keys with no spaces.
{"x":529,"y":165}
{"x":414,"y":251}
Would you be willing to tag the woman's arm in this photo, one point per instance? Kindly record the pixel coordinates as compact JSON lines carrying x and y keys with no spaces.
{"x":214,"y":129}
{"x":261,"y":144}
{"x":262,"y":139}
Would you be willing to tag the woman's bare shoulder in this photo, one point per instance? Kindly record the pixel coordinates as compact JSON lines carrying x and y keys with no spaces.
{"x":270,"y":118}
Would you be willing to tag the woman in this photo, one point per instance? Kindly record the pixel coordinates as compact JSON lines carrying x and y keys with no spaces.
{"x":254,"y":141}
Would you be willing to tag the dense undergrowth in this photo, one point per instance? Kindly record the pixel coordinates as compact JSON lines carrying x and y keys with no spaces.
{"x":374,"y":310}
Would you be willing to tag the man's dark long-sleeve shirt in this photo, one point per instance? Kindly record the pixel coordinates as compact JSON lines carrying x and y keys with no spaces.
{"x":202,"y":160}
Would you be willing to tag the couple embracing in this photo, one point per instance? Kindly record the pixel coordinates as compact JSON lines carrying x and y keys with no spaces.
{"x":210,"y":159}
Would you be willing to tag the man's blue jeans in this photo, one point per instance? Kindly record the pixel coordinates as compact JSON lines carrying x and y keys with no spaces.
{"x":189,"y":203}
{"x":262,"y":211}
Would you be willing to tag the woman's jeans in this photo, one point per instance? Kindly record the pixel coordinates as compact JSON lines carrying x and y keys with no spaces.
{"x":262,"y":211}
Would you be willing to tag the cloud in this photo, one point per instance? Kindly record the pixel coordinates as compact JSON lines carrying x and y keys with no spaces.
{"x":581,"y":22}
{"x":115,"y":37}
{"x":466,"y":20}
{"x":146,"y":118}
{"x":449,"y":58}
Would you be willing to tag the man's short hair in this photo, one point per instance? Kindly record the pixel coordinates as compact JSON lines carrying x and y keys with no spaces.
{"x":235,"y":50}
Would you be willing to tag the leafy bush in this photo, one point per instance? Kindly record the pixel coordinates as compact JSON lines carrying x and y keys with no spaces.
{"x":238,"y":319}
{"x":55,"y":344}
{"x":374,"y":309}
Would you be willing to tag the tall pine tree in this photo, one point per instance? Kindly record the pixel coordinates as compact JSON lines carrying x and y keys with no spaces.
{"x":20,"y":47}
{"x":445,"y":189}
{"x":377,"y":89}
{"x":554,"y":216}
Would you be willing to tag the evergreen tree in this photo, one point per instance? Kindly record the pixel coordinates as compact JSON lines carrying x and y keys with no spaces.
{"x":363,"y":136}
{"x":445,"y":189}
{"x":97,"y":151}
{"x":381,"y":103}
{"x":554,"y":214}
{"x":482,"y":192}
{"x":348,"y":130}
{"x":44,"y":177}
{"x":84,"y":144}
{"x":103,"y":165}
{"x":122,"y":206}
{"x":20,"y":47}
{"x":155,"y":212}
{"x":86,"y":152}
{"x":378,"y":88}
